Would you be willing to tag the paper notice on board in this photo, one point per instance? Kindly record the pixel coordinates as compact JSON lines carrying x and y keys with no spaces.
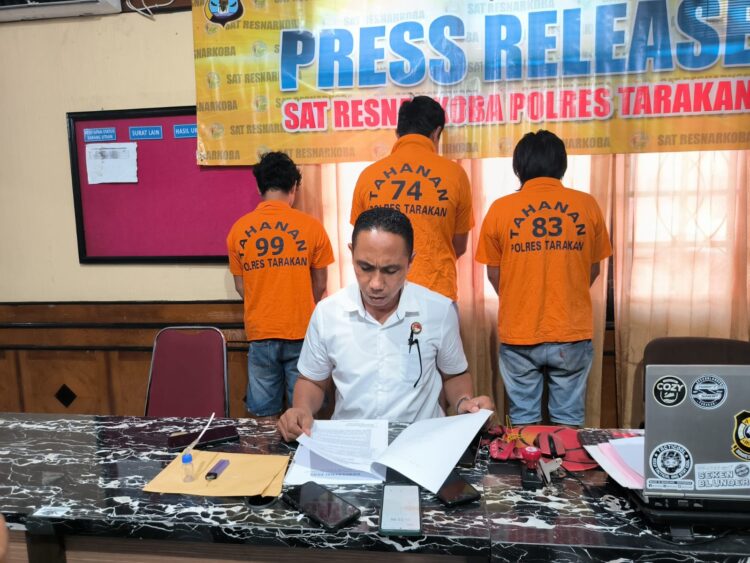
{"x":112,"y":163}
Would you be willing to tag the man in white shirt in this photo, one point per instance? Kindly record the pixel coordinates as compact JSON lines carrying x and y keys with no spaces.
{"x":390,"y":346}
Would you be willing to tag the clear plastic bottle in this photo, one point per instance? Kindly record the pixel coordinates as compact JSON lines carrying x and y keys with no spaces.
{"x":187,"y":467}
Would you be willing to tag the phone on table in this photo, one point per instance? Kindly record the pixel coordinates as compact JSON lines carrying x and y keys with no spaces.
{"x":216,"y":435}
{"x":321,"y":505}
{"x":456,"y":490}
{"x":400,"y":511}
{"x":469,"y":457}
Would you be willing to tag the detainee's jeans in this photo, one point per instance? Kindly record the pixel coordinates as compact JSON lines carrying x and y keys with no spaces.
{"x":271,"y":368}
{"x":568,"y":365}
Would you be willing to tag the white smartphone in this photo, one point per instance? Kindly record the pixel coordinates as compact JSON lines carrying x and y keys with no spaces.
{"x":400,"y":512}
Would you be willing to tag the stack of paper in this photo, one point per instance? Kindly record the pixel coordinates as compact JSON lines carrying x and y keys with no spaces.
{"x":357,"y":451}
{"x":622,"y":459}
{"x":246,"y":475}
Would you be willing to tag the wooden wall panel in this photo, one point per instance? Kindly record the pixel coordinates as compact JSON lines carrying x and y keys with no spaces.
{"x":10,"y":390}
{"x":111,"y":345}
{"x":47,"y":373}
{"x":102,"y":351}
{"x":237,"y":382}
{"x":129,"y":381}
{"x":134,"y":313}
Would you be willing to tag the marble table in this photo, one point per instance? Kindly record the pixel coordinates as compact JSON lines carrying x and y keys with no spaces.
{"x":587,"y":518}
{"x":83,"y":475}
{"x":72,"y":477}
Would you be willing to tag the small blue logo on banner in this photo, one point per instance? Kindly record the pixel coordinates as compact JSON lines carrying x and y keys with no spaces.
{"x":148,"y":132}
{"x":96,"y":134}
{"x":186,"y":131}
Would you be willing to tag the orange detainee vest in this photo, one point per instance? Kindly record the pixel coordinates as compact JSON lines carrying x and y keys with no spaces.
{"x":273,"y":248}
{"x":544,"y":239}
{"x":435,"y":194}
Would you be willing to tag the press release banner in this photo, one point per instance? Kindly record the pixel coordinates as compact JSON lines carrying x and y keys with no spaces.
{"x":323,"y":79}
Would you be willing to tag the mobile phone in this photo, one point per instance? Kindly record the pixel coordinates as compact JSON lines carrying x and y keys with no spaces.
{"x":321,"y":505}
{"x":216,"y":435}
{"x":456,"y":490}
{"x":469,"y":457}
{"x":400,"y":511}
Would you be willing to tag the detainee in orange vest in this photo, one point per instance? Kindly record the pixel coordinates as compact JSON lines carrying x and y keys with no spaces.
{"x":278,"y":257}
{"x":542,"y":246}
{"x":432,"y":191}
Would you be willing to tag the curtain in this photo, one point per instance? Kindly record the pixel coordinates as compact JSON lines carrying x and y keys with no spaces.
{"x":681,"y":256}
{"x":680,"y":234}
{"x":327,"y":194}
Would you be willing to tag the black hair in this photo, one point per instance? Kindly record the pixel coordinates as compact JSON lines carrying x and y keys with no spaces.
{"x":276,"y":171}
{"x":385,"y":219}
{"x":421,"y":115}
{"x":540,"y":154}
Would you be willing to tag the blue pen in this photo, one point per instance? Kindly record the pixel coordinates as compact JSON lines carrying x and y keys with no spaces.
{"x":217,"y":469}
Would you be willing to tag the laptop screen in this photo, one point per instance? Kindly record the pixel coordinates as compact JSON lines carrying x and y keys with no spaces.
{"x":697,"y":441}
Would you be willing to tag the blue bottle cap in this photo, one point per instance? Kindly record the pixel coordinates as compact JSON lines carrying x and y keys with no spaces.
{"x":187,"y":457}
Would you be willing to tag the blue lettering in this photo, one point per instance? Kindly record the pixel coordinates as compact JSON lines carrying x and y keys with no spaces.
{"x":454,"y":69}
{"x":572,"y":63}
{"x":336,"y":46}
{"x":539,"y":43}
{"x":707,"y":39}
{"x":738,"y":28}
{"x":369,"y":54}
{"x":501,"y":38}
{"x":297,"y":49}
{"x":651,"y":20}
{"x":607,"y":38}
{"x":411,"y":69}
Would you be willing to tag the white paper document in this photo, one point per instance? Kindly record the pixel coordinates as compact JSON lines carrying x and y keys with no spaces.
{"x":357,"y":451}
{"x":630,"y":451}
{"x":340,"y":452}
{"x":609,"y":460}
{"x":112,"y":163}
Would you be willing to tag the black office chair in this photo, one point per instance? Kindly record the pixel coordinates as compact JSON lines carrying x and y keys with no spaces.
{"x":683,"y":350}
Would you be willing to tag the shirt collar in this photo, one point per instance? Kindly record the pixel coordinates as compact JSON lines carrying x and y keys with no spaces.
{"x":541,"y":183}
{"x":271,"y":203}
{"x":407,"y":303}
{"x":414,"y":140}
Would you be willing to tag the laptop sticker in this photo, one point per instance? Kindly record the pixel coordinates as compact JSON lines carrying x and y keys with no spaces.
{"x":741,"y":437}
{"x":708,"y":392}
{"x":671,"y":460}
{"x":668,"y":485}
{"x":669,"y":391}
{"x":722,"y":476}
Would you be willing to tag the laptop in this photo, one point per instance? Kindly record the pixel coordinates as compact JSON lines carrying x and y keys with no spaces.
{"x":697,"y":444}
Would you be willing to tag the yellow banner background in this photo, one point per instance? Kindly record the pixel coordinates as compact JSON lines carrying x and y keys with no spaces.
{"x":240,"y":101}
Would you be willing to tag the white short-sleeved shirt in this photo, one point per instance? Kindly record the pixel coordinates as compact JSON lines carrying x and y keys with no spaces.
{"x":372,"y":365}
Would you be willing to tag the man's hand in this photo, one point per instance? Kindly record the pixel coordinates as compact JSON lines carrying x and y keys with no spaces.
{"x":293,"y":422}
{"x":473,"y":404}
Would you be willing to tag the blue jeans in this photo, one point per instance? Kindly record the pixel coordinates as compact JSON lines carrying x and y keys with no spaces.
{"x":568,"y":365}
{"x":271,"y":364}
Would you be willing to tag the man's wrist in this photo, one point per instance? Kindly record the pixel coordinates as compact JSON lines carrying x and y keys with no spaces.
{"x":461,"y":400}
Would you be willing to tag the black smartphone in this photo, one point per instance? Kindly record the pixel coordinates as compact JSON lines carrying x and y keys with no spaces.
{"x":469,"y":457}
{"x":400,"y":511}
{"x":216,"y":435}
{"x":456,"y":490}
{"x":321,"y":505}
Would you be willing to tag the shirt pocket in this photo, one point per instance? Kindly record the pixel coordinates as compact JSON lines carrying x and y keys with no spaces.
{"x":411,"y":365}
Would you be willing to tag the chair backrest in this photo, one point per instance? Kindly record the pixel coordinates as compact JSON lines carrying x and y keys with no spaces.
{"x":188,"y":373}
{"x":696,"y":350}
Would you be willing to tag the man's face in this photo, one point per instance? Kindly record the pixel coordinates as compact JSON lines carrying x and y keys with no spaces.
{"x":380,"y":264}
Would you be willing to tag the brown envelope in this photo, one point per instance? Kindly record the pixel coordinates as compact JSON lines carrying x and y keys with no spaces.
{"x":246,"y":475}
